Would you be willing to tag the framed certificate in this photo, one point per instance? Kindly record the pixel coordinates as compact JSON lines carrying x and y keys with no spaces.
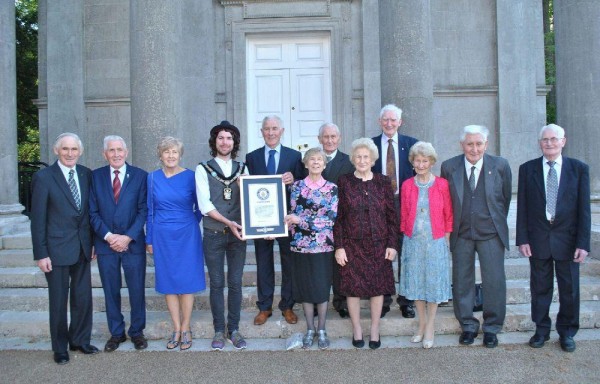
{"x":264,"y":205}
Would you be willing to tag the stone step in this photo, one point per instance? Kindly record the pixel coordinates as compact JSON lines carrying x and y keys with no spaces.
{"x":31,"y":276}
{"x":36,"y":299}
{"x":34,"y":325}
{"x":17,"y":241}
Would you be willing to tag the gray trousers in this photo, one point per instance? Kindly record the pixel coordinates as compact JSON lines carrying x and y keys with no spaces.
{"x":493,"y":279}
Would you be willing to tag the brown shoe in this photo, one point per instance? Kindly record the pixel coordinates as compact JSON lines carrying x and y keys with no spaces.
{"x":262,"y":317}
{"x":290,"y":316}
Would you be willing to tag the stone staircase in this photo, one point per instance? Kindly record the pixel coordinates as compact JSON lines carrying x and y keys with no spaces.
{"x":24,"y":301}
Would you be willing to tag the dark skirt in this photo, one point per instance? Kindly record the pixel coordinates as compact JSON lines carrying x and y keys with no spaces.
{"x":312,"y":275}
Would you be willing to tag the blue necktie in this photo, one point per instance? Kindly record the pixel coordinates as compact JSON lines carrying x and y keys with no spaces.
{"x":271,"y":163}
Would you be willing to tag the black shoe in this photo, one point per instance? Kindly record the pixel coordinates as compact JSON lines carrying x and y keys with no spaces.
{"x":384,"y":311}
{"x":139,"y":342}
{"x":86,"y":349}
{"x":61,"y":358}
{"x":490,"y":340}
{"x":343,"y":313}
{"x":408,"y":312}
{"x":113,"y":343}
{"x":375,"y":344}
{"x":567,"y":343}
{"x":358,"y":343}
{"x":538,"y":341}
{"x":467,"y":338}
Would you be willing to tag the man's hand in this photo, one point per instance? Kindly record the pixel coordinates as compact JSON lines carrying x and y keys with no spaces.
{"x":236,"y":229}
{"x":525,"y":250}
{"x":118,"y":243}
{"x":45,"y":265}
{"x":287,"y":178}
{"x":580,"y":255}
{"x":390,"y":254}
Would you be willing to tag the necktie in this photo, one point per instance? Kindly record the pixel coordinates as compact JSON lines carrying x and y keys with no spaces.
{"x":472,"y":179}
{"x":328,"y":158}
{"x":551,"y":190}
{"x":390,"y":164}
{"x":116,"y":186}
{"x":74,"y":190}
{"x":271,"y":163}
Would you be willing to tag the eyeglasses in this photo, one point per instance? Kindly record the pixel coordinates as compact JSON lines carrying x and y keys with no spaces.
{"x":552,"y":140}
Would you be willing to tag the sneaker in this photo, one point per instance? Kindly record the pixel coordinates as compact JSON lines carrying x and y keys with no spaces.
{"x":218,"y":342}
{"x":237,"y":340}
{"x":323,"y":341}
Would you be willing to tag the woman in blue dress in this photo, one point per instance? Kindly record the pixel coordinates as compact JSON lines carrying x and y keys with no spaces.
{"x":173,"y":236}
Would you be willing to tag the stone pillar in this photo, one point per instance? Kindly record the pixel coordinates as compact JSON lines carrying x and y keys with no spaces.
{"x":10,"y":208}
{"x":577,"y":38}
{"x":520,"y":53}
{"x":405,"y":56}
{"x":154,"y":96}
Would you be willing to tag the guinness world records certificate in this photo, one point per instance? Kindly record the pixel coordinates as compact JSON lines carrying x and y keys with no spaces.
{"x":264,"y":206}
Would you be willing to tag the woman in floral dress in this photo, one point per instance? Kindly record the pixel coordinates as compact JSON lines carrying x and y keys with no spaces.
{"x":314,"y":209}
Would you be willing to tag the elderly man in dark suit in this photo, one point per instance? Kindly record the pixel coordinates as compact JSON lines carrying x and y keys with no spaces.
{"x":553,"y":231}
{"x":62,"y":245}
{"x":481,"y":190}
{"x":274,"y":159}
{"x":393,"y":161}
{"x":338,"y":163}
{"x":118,"y":213}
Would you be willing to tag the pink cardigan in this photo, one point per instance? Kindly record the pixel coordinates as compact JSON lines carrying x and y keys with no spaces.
{"x":440,"y":207}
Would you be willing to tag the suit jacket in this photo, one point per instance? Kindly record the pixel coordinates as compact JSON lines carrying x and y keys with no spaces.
{"x":127,"y":216}
{"x":58,"y":229}
{"x":572,"y":222}
{"x":339,"y":165}
{"x":498,"y":191}
{"x":290,"y":160}
{"x":405,"y":167}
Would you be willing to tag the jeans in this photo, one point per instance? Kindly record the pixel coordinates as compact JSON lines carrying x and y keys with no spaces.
{"x":217,"y":246}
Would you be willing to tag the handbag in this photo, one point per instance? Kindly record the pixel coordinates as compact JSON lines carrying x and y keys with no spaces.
{"x":478,"y":305}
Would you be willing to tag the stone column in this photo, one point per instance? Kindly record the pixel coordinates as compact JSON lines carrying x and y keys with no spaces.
{"x":520,"y":55}
{"x":405,"y":55}
{"x":10,"y":208}
{"x":577,"y":38}
{"x":154,"y":96}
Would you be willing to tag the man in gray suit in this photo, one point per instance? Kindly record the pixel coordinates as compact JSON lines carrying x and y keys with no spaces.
{"x":481,"y":189}
{"x":338,"y":163}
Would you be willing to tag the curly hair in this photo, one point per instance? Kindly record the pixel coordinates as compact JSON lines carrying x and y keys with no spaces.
{"x":212,"y":142}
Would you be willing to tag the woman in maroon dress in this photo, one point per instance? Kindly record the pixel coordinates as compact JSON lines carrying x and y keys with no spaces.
{"x":366,"y":238}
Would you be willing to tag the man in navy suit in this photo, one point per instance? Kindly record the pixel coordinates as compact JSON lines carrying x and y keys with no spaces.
{"x":391,"y":143}
{"x":62,"y":245}
{"x":338,"y":163}
{"x":273,"y":158}
{"x":117,"y":214}
{"x":553,"y":231}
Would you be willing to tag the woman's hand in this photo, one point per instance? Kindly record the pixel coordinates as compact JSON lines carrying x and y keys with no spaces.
{"x":390,"y":254}
{"x":340,"y":257}
{"x":149,"y":249}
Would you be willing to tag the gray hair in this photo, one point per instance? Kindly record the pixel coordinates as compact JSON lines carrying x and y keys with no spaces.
{"x":169,"y":142}
{"x":474,"y":130}
{"x":110,"y":138}
{"x":312,"y":152}
{"x":272,"y":117}
{"x":393,"y":108}
{"x":557,"y":129}
{"x":422,"y":148}
{"x":364,"y":142}
{"x":326,"y":125}
{"x":68,"y":134}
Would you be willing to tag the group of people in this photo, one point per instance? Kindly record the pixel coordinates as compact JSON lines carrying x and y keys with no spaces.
{"x":349,"y":217}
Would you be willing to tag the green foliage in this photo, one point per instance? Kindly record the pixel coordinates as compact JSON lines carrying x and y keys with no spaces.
{"x":27,"y":79}
{"x":550,"y":65}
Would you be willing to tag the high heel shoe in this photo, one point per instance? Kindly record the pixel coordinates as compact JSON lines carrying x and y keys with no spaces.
{"x":427,"y":344}
{"x":358,"y":343}
{"x":375,"y":344}
{"x":416,"y":339}
{"x":186,"y":342}
{"x":174,"y":341}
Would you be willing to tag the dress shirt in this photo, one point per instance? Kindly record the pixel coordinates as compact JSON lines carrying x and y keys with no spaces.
{"x":202,"y":188}
{"x":331,"y":155}
{"x":65,"y":170}
{"x":122,"y":173}
{"x":383,"y":154}
{"x":277,"y":154}
{"x":478,"y":165}
{"x":557,"y":168}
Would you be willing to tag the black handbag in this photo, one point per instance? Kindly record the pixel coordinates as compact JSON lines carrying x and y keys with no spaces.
{"x":478,"y":305}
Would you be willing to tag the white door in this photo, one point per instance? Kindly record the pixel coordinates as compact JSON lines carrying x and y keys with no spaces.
{"x":289,"y":77}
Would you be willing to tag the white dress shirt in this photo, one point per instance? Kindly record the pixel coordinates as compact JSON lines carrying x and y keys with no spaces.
{"x":478,"y":165}
{"x":558,"y":169}
{"x":65,"y":170}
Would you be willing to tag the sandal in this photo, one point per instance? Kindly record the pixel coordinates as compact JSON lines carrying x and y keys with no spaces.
{"x":174,"y":341}
{"x":185,"y":343}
